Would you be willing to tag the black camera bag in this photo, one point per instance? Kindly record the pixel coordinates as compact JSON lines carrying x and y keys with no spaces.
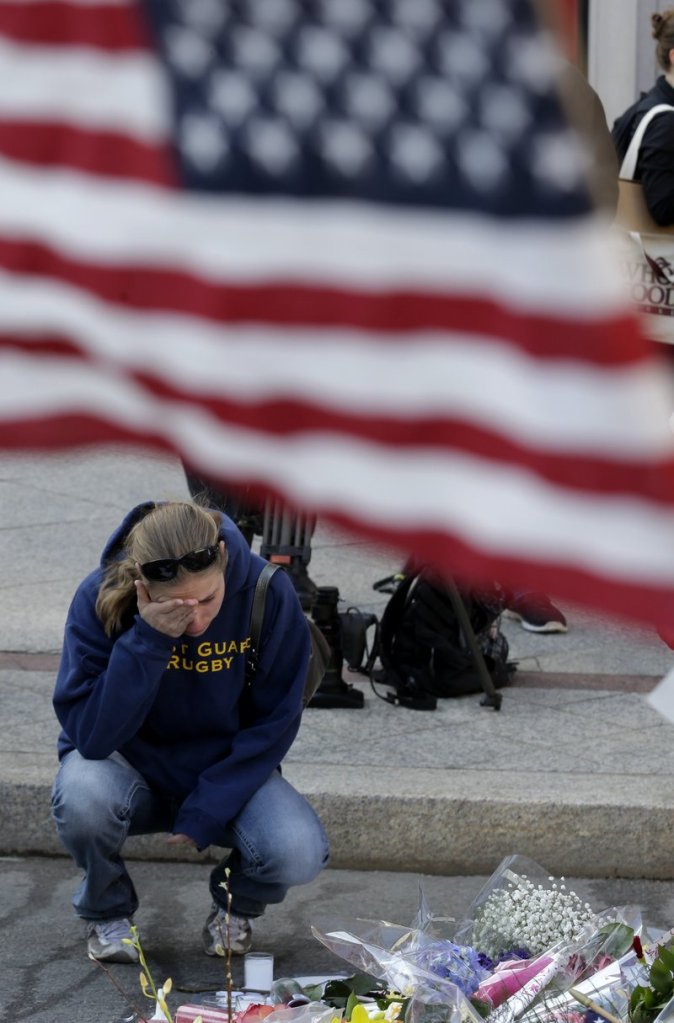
{"x":421,"y":645}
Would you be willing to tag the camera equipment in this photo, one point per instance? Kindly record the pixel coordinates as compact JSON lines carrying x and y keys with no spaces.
{"x":286,"y":540}
{"x":333,"y":690}
{"x":354,"y":625}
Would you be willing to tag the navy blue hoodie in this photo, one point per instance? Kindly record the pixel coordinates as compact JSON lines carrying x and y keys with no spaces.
{"x":176,"y":709}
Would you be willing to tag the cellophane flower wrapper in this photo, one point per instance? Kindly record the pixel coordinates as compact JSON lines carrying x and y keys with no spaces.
{"x":428,"y":1007}
{"x":521,"y":907}
{"x":589,"y":963}
{"x":406,"y":959}
{"x":634,"y":971}
{"x":430,"y":923}
{"x":593,"y":965}
{"x":442,"y":974}
{"x":667,"y":1014}
{"x":312,"y":1012}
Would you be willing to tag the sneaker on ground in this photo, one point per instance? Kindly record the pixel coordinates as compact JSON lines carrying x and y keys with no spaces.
{"x":215,"y":933}
{"x":536,"y":613}
{"x":105,"y":940}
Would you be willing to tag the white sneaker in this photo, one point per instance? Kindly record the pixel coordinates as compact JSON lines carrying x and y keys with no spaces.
{"x":215,"y":933}
{"x":105,"y":941}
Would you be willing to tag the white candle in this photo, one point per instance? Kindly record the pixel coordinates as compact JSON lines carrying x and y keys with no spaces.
{"x":258,"y":971}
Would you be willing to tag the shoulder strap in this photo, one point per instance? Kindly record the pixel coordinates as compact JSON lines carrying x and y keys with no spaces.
{"x":257,"y":618}
{"x":629,"y":164}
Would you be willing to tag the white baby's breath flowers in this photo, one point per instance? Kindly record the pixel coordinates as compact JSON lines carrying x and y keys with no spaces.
{"x":529,"y":915}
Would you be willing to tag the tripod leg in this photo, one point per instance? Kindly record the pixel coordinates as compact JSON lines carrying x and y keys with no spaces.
{"x":492,"y":698}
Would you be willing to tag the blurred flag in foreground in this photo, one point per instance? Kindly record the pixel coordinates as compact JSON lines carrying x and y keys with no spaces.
{"x":339,"y":250}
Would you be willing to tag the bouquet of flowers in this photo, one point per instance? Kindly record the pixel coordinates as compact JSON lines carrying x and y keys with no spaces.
{"x":527,"y":938}
{"x":530,"y":950}
{"x":523,"y":909}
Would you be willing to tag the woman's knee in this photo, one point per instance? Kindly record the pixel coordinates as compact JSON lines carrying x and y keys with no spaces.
{"x":293,"y":855}
{"x":85,"y":799}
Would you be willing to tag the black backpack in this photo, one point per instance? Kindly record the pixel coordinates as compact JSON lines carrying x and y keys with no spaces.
{"x":422,"y":649}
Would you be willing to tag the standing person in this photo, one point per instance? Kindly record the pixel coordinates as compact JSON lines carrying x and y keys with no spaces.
{"x":655,"y":165}
{"x":160,"y":731}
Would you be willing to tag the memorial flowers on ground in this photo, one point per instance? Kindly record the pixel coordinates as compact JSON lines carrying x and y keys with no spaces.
{"x":530,"y":916}
{"x":529,"y":950}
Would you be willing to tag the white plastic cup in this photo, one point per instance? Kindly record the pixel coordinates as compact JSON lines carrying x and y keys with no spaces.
{"x":258,"y":971}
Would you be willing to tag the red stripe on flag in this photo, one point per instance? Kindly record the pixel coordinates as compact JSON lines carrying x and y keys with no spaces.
{"x":611,"y":342}
{"x":574,"y":470}
{"x":105,"y":153}
{"x":631,"y":599}
{"x":73,"y":430}
{"x":110,"y":27}
{"x":635,"y":601}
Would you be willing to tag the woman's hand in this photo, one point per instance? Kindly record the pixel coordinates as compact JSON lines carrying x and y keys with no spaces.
{"x":171,"y":617}
{"x":181,"y":839}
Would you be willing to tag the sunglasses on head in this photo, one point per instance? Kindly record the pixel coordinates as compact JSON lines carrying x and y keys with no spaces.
{"x":167,"y":568}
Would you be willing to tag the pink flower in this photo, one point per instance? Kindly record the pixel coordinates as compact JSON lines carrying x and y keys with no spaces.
{"x":510,"y":977}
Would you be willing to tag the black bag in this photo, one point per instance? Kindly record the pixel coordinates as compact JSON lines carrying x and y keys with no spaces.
{"x":421,"y":645}
{"x":320,"y":651}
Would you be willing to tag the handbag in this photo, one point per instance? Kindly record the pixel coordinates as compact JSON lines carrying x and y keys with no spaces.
{"x":646,"y":249}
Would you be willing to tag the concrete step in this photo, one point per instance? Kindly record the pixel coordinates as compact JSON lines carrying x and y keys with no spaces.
{"x":580,"y":779}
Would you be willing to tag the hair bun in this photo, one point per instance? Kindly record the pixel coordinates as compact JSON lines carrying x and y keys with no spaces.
{"x":660,"y":20}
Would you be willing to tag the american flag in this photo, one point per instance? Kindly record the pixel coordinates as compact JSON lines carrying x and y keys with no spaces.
{"x":341,"y":251}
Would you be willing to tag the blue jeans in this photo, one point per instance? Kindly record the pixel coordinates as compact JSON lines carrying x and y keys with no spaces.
{"x":276,"y":840}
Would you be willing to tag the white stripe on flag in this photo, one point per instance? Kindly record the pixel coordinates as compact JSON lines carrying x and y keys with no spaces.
{"x":121,"y":92}
{"x":548,"y":405}
{"x":625,"y":539}
{"x":560,"y":266}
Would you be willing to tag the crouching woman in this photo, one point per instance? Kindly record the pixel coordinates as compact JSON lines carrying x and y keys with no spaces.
{"x":161,"y":732}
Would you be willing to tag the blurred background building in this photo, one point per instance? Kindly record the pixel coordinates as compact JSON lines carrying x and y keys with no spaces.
{"x":611,"y":41}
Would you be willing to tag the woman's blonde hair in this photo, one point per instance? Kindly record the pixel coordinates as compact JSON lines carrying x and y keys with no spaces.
{"x":166,"y":531}
{"x":662,"y":28}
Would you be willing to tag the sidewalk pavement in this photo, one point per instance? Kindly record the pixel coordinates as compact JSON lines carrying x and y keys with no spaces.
{"x":45,"y":976}
{"x":575,"y":770}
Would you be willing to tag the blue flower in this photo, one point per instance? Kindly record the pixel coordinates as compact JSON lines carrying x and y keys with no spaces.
{"x":459,"y":964}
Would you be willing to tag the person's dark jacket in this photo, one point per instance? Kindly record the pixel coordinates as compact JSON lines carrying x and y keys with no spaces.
{"x":655,"y":165}
{"x":176,"y":709}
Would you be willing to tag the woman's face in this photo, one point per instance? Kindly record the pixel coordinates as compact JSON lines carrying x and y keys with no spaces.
{"x":208,"y":588}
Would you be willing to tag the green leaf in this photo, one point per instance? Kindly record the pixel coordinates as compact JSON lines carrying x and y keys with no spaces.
{"x":337,"y":992}
{"x":641,"y":1015}
{"x":667,"y":957}
{"x":660,"y":977}
{"x":649,"y":998}
{"x":618,"y":939}
{"x":636,"y":996}
{"x":314,"y":992}
{"x":351,"y":1003}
